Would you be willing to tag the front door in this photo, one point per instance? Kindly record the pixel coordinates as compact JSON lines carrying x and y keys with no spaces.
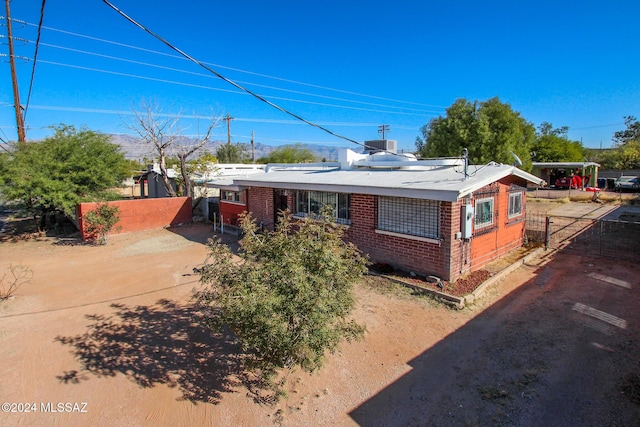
{"x":279,"y":203}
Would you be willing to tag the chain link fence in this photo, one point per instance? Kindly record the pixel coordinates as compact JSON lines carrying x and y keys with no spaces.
{"x":599,"y":237}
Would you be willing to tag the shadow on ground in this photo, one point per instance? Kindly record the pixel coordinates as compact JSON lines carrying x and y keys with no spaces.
{"x":165,"y":343}
{"x":203,"y":232}
{"x":560,"y":350}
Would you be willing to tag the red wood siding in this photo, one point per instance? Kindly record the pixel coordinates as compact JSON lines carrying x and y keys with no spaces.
{"x":508,"y":233}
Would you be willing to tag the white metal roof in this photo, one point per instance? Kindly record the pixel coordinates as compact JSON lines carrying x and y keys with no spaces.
{"x":444,"y":183}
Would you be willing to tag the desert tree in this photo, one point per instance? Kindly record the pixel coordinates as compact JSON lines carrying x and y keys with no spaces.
{"x":59,"y":172}
{"x":163,"y":134}
{"x":288,"y":301}
{"x":289,"y":154}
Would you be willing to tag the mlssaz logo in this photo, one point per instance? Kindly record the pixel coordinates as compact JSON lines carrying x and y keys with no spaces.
{"x":63,"y":407}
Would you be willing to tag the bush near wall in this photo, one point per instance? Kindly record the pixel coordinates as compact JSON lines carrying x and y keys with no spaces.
{"x":144,"y":214}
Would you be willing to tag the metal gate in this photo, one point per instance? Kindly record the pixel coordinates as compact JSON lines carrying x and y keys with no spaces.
{"x":599,"y":237}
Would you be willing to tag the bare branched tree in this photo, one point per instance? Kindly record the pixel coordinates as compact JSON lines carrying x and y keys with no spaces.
{"x":162,"y":132}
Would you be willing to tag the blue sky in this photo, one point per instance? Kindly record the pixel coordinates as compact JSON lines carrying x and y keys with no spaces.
{"x":349,"y":66}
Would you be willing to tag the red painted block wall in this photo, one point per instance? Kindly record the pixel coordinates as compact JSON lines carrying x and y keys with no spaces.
{"x":144,"y":214}
{"x":231,"y":211}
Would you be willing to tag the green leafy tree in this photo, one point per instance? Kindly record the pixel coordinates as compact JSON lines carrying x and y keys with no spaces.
{"x":232,"y":153}
{"x":100,"y":222}
{"x":59,"y":172}
{"x":289,"y":299}
{"x":626,"y":151}
{"x":289,"y":154}
{"x":552,"y":145}
{"x":490,"y":130}
{"x":631,"y":133}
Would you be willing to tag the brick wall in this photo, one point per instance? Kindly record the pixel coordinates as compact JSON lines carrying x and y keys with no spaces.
{"x":421,"y":257}
{"x":144,"y":214}
{"x":260,"y":206}
{"x":448,"y":259}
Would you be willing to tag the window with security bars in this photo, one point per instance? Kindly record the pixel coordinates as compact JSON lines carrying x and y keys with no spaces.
{"x":414,"y":217}
{"x":515,"y":204}
{"x":309,"y":203}
{"x":483,"y":212}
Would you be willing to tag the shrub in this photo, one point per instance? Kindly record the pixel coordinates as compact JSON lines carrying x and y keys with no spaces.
{"x":289,"y":300}
{"x":100,"y":222}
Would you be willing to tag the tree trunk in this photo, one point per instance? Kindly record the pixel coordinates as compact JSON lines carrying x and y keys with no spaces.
{"x":185,"y":175}
{"x":165,"y":178}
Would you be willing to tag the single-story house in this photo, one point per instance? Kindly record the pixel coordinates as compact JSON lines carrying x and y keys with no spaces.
{"x":567,"y":174}
{"x":432,"y":217}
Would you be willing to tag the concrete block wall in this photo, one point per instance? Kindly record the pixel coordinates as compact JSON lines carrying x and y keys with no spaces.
{"x":144,"y":214}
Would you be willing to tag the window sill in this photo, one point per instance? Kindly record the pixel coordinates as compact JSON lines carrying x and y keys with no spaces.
{"x":485,"y":230}
{"x":515,"y":220}
{"x":408,"y":236}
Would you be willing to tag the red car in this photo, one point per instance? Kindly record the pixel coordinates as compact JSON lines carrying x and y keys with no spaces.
{"x":569,"y":182}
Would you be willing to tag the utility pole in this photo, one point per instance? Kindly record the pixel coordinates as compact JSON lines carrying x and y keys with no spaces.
{"x":22,"y":138}
{"x":382,"y":129}
{"x":228,"y":120}
{"x":253,"y":151}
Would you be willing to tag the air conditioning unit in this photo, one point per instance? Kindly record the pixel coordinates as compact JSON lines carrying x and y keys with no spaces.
{"x":378,"y":145}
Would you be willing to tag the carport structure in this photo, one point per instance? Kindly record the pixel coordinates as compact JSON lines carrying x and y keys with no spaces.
{"x":551,"y":171}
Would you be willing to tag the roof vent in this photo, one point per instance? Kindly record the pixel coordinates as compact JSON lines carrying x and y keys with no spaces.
{"x":378,"y":145}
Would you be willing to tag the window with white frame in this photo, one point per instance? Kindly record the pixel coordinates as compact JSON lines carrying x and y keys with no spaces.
{"x":413,"y":217}
{"x":232,"y":196}
{"x":483,"y":213}
{"x":309,"y":203}
{"x":515,"y":204}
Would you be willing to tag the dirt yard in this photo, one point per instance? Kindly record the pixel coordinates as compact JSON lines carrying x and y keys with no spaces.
{"x":110,"y":333}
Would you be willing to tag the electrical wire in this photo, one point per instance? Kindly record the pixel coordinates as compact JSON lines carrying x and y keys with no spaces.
{"x":231,"y":82}
{"x":131,"y":61}
{"x":35,"y":59}
{"x":232,"y":68}
{"x":322,"y":104}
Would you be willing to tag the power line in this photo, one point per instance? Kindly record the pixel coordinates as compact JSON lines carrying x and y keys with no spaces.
{"x":131,"y":61}
{"x":35,"y":58}
{"x":81,"y":67}
{"x":232,"y":68}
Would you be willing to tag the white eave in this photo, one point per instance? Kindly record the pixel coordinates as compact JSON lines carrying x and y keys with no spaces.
{"x":443,"y":183}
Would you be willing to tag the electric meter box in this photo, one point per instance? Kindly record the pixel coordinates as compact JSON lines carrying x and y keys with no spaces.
{"x":467,"y":221}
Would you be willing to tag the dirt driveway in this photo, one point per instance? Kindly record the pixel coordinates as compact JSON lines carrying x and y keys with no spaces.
{"x":113,"y":330}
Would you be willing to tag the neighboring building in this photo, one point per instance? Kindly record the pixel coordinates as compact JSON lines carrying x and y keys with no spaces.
{"x":151,"y":184}
{"x":431,"y":216}
{"x":225,"y":201}
{"x":567,"y":174}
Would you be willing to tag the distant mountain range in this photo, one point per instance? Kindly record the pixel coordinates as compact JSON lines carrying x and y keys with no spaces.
{"x":135,"y":149}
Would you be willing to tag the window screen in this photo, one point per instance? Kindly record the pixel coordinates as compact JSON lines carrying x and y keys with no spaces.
{"x":414,"y":217}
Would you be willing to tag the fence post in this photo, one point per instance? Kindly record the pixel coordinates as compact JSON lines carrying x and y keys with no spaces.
{"x":547,"y":232}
